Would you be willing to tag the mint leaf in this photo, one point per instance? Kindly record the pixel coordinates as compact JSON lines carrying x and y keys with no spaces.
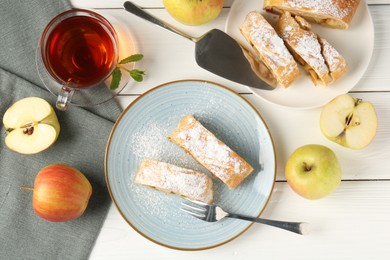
{"x":116,"y":78}
{"x":137,"y":75}
{"x":132,"y":58}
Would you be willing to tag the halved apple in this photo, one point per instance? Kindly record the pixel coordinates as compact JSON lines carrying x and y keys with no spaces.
{"x":32,"y":125}
{"x":349,"y":122}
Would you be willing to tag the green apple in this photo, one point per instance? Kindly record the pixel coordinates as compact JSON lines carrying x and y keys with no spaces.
{"x":31,"y":124}
{"x":313,"y":171}
{"x":349,"y":122}
{"x":193,"y":12}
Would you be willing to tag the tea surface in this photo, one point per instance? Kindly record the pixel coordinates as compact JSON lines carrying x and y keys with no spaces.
{"x":80,"y":51}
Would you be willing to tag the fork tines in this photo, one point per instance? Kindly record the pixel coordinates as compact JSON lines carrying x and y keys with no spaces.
{"x":199,"y":210}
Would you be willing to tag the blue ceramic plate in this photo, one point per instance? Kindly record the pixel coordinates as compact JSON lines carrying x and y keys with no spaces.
{"x":141,"y":133}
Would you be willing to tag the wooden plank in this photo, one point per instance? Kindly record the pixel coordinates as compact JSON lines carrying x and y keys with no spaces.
{"x":351,"y":223}
{"x":119,"y":3}
{"x":377,"y":76}
{"x":159,"y":4}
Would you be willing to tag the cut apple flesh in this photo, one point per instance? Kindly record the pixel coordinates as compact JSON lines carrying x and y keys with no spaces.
{"x":32,"y":125}
{"x":349,"y":122}
{"x":362,"y":126}
{"x":335,"y":115}
{"x":26,"y":111}
{"x":32,"y":139}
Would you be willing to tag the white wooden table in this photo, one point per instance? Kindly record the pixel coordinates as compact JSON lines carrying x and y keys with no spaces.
{"x":351,"y":223}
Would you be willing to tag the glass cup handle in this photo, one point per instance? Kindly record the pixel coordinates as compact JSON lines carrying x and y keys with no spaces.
{"x":64,"y":97}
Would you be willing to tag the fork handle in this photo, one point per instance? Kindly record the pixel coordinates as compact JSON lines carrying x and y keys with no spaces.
{"x":296,"y":227}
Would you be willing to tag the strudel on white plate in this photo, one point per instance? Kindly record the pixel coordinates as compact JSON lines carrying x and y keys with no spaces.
{"x":333,"y":13}
{"x":270,"y":48}
{"x":318,"y":57}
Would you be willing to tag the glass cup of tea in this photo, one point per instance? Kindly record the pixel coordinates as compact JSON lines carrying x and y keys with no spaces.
{"x":79,"y":51}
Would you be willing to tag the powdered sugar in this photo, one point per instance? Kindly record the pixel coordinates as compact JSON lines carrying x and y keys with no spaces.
{"x":334,"y":60}
{"x":336,"y":8}
{"x":148,"y":140}
{"x":315,"y":53}
{"x":149,"y":144}
{"x":173,"y":179}
{"x":308,"y":47}
{"x":270,"y":47}
{"x":270,"y":43}
{"x":217,"y":157}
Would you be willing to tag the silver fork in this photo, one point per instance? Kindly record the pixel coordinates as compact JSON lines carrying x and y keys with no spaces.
{"x":213,"y":213}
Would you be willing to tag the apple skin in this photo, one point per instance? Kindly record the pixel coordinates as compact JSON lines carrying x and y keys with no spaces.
{"x":32,"y":125}
{"x":194,"y":12}
{"x":313,"y":171}
{"x":61,"y":193}
{"x":349,"y":122}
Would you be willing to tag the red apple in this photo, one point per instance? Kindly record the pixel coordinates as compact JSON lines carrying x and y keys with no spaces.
{"x":61,"y":193}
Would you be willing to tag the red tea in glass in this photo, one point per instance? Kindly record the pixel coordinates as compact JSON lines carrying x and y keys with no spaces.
{"x":79,"y":48}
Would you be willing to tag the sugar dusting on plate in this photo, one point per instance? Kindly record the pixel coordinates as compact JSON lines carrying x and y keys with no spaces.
{"x":150,"y":142}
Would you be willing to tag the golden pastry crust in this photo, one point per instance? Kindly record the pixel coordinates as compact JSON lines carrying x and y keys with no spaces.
{"x":336,"y":63}
{"x":258,"y":67}
{"x":270,"y":47}
{"x":170,"y":178}
{"x":322,"y":62}
{"x":213,"y":154}
{"x":332,"y":13}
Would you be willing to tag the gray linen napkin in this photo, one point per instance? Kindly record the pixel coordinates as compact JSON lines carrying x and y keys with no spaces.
{"x":81,"y":143}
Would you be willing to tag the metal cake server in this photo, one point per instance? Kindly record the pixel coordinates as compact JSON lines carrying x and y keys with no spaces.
{"x":220,"y":54}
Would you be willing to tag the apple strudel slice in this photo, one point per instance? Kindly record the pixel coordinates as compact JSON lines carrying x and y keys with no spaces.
{"x":170,"y":178}
{"x":321,"y":61}
{"x":333,"y":13}
{"x":210,"y":152}
{"x":270,"y":47}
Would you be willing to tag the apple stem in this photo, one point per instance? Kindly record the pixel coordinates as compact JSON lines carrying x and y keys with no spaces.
{"x":307,"y":167}
{"x":27,"y":188}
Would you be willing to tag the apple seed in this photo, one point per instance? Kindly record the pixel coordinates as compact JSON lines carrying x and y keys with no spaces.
{"x":348,"y":119}
{"x":28,"y":130}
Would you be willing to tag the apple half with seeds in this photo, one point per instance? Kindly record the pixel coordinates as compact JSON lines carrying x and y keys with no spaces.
{"x":31,"y":124}
{"x":349,"y":122}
